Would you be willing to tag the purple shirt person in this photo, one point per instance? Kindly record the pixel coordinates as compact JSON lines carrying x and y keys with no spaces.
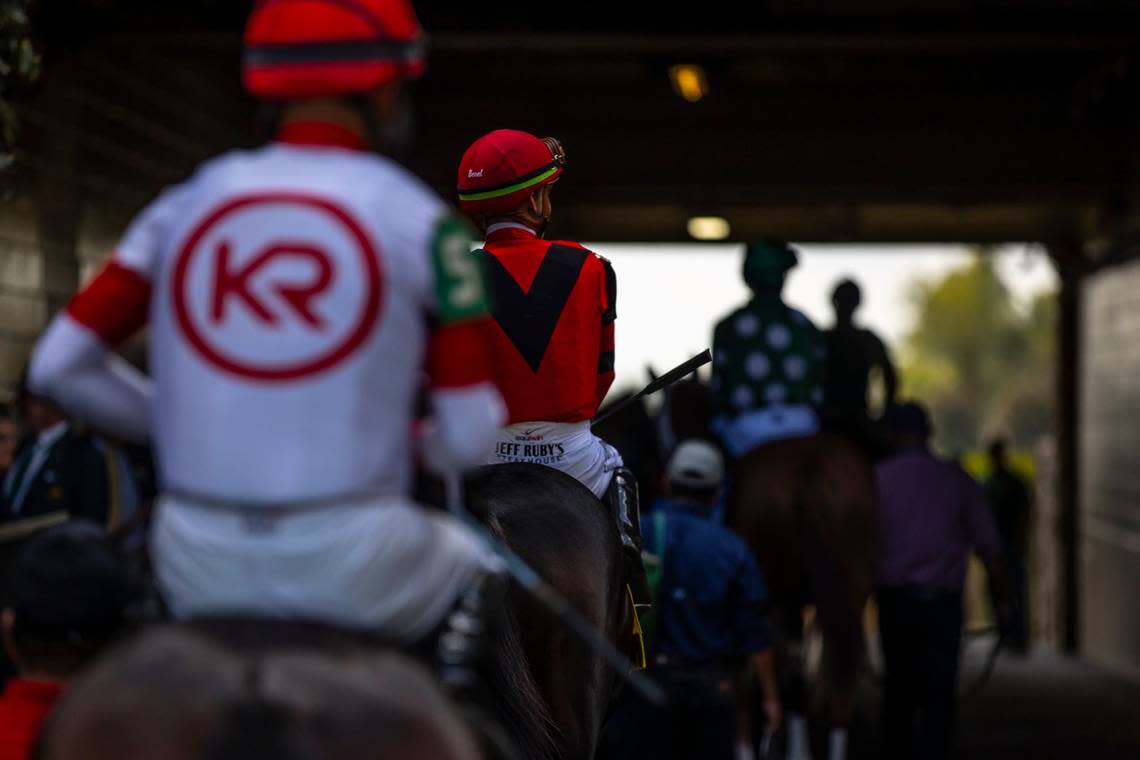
{"x":932,"y":515}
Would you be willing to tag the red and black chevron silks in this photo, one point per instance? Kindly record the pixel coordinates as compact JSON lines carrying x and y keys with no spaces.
{"x":554,"y":348}
{"x":529,"y":318}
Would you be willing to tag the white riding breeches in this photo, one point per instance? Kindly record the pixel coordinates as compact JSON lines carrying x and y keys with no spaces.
{"x":383,"y":564}
{"x":754,"y":428}
{"x":566,"y":446}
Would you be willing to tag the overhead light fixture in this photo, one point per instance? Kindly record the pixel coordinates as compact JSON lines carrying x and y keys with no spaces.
{"x":709,"y":228}
{"x":689,"y":81}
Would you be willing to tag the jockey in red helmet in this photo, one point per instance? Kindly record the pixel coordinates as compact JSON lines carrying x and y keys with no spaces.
{"x":296,"y":295}
{"x":554,"y":311}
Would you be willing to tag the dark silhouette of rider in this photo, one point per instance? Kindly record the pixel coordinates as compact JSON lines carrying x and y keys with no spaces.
{"x":853,"y":354}
{"x":1011,"y":502}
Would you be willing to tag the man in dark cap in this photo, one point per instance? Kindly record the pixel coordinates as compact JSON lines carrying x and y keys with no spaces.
{"x":66,"y":595}
{"x":932,"y":515}
{"x":768,"y":360}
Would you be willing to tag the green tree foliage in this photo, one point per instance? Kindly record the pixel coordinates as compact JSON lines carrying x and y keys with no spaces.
{"x":982,"y":365}
{"x":19,"y":64}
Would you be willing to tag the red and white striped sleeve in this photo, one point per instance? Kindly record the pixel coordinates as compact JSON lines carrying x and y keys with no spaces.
{"x":73,"y":362}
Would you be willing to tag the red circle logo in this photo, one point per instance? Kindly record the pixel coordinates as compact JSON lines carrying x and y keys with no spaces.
{"x":277,"y":286}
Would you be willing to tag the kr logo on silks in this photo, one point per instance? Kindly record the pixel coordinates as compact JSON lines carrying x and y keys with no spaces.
{"x":277,"y":286}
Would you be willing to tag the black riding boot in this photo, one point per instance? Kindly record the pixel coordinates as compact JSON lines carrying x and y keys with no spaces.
{"x":622,"y":499}
{"x":466,"y":642}
{"x":466,"y":658}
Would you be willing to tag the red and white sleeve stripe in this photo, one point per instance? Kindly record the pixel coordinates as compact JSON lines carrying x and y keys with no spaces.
{"x":114,"y":305}
{"x":73,"y":365}
{"x":468,"y":408}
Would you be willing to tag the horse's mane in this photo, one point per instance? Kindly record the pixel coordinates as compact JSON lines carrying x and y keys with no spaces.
{"x":560,"y":528}
{"x":513,"y":486}
{"x":520,"y":703}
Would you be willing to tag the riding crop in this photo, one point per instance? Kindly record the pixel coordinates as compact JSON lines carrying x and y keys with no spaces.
{"x":687,"y":367}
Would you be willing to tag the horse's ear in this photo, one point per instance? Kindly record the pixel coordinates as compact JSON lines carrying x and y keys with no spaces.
{"x":652,"y":373}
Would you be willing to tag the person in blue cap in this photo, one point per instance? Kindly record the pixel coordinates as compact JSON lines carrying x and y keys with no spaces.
{"x":768,"y":360}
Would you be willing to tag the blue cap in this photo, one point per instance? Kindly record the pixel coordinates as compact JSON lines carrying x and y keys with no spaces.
{"x":910,"y":417}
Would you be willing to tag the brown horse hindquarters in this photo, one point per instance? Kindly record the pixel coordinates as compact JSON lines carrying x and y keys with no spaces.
{"x":558,"y":528}
{"x":764,"y":507}
{"x":807,"y":508}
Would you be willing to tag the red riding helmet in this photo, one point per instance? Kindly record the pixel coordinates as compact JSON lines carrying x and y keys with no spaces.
{"x":502,"y":168}
{"x":326,"y":48}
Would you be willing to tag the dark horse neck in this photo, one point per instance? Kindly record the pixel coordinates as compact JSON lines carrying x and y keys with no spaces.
{"x":557,"y":526}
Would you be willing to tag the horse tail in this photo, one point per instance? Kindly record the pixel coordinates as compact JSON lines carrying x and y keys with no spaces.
{"x":517,"y":698}
{"x":831,"y":589}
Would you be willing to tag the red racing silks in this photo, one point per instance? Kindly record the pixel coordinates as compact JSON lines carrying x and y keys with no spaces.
{"x":461,"y":355}
{"x":114,"y":305}
{"x":605,"y":364}
{"x":553,"y":326}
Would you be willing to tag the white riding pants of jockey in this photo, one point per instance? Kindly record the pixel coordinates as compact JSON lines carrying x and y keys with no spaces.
{"x":566,"y":446}
{"x":754,"y":428}
{"x":382,"y":564}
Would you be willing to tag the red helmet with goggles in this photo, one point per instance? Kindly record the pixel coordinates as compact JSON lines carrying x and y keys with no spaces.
{"x":501,"y":169}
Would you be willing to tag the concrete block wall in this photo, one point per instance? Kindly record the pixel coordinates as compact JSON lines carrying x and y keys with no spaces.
{"x":1108,"y":529}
